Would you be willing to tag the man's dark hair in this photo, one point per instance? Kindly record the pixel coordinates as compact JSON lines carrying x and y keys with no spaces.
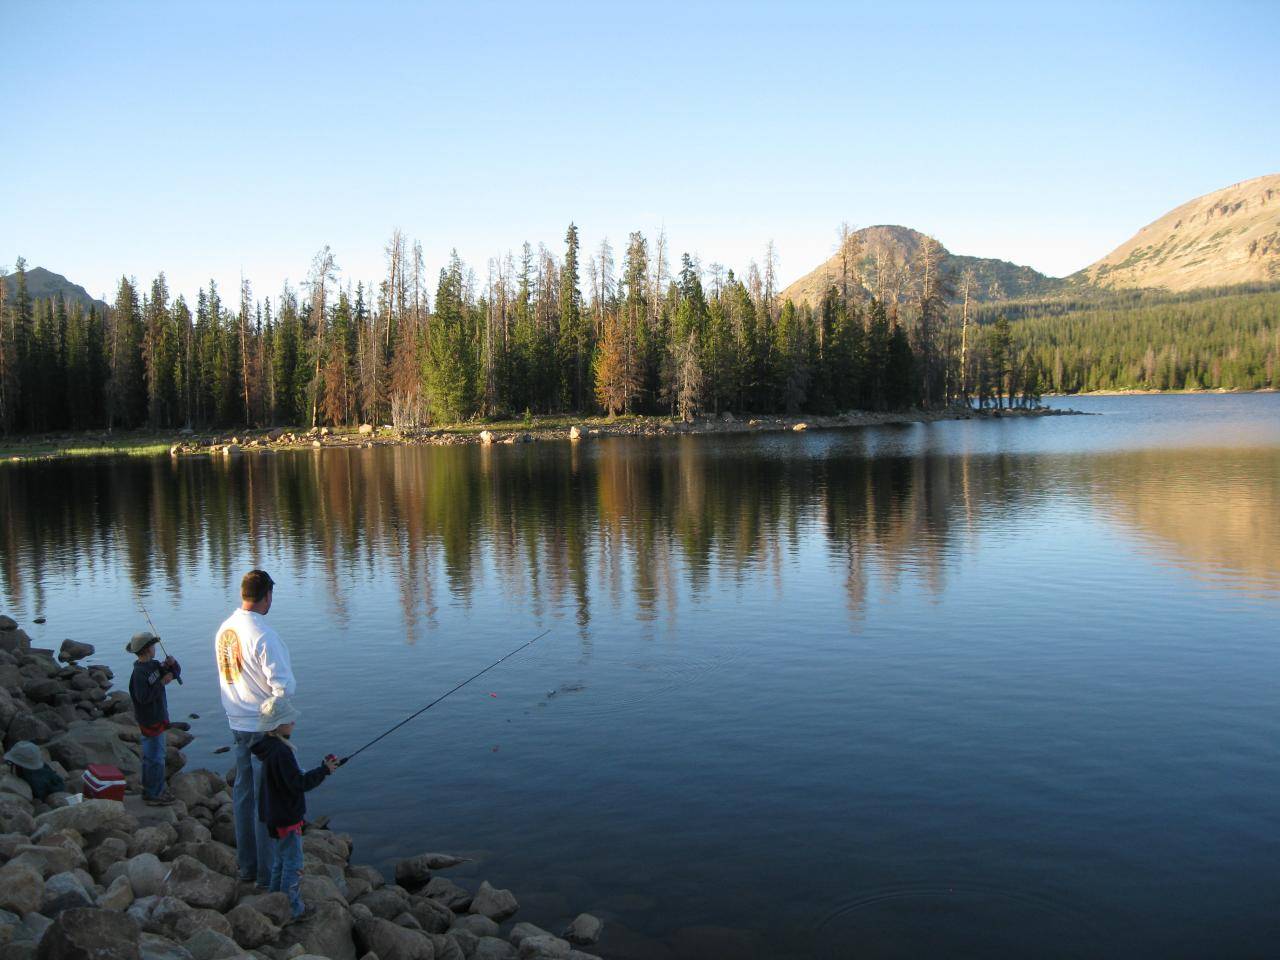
{"x":256,"y":585}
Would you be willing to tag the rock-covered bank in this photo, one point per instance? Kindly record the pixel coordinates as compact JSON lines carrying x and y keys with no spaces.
{"x":105,"y":880}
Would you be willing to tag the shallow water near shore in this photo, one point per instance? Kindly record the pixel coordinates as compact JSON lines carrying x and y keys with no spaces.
{"x":977,"y":688}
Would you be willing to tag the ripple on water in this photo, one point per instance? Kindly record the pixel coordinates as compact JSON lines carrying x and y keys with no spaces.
{"x":959,"y":919}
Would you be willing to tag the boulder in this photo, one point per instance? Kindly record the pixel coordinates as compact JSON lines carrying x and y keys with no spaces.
{"x":15,"y":816}
{"x":366,"y":429}
{"x":249,"y":928}
{"x":72,"y":651}
{"x":64,"y":891}
{"x":211,"y":945}
{"x":432,"y":916}
{"x":493,"y":903}
{"x":42,"y":690}
{"x":445,"y":891}
{"x":374,"y":877}
{"x":476,"y":924}
{"x":492,"y":948}
{"x":191,"y":830}
{"x":385,"y":903}
{"x":585,"y":929}
{"x":7,"y":623}
{"x":118,"y":896}
{"x":33,"y":928}
{"x":392,"y":942}
{"x":543,"y":947}
{"x":274,"y":906}
{"x":21,"y":888}
{"x":446,"y":947}
{"x":15,"y":786}
{"x":25,"y":725}
{"x":110,"y":851}
{"x":146,"y":874}
{"x":154,"y":839}
{"x":50,"y":859}
{"x":486,"y":437}
{"x":465,"y":939}
{"x":196,"y":885}
{"x":15,"y":641}
{"x":522,"y":930}
{"x":575,"y":433}
{"x":317,"y":889}
{"x":90,"y":934}
{"x":155,"y":947}
{"x":217,"y":857}
{"x":174,"y":919}
{"x":326,"y":932}
{"x":91,"y":816}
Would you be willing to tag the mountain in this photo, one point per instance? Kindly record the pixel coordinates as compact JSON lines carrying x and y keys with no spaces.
{"x":895,"y":249}
{"x":42,"y":283}
{"x":1226,"y":237}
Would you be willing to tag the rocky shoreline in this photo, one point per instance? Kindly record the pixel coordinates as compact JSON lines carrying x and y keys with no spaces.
{"x":114,"y":880}
{"x":367,"y":435}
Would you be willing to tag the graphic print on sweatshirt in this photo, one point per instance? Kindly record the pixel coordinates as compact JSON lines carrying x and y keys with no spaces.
{"x":230,"y":659}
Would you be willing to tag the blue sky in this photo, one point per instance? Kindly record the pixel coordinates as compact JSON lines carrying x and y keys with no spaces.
{"x":209,"y":140}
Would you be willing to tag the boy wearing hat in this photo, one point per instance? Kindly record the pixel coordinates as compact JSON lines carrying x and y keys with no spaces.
{"x":27,"y":762}
{"x":282,"y":805}
{"x":151,"y":710}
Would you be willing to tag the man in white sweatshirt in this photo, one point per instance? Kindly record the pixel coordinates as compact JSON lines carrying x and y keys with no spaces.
{"x":253,"y":666}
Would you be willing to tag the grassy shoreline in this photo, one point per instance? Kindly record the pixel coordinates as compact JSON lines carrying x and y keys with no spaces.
{"x":147,"y":443}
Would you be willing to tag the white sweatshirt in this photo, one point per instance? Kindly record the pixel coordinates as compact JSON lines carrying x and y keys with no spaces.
{"x":253,"y":664}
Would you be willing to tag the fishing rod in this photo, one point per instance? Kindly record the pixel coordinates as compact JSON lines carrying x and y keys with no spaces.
{"x":154,"y":633}
{"x":419,"y":713}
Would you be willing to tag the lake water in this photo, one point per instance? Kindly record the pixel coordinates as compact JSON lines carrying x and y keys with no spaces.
{"x":973,"y":689}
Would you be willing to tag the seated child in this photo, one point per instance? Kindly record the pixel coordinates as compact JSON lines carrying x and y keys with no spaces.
{"x":25,"y":759}
{"x":281,"y":804}
{"x":151,"y":710}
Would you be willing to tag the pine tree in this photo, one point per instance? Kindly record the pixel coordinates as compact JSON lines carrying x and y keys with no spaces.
{"x":126,"y":390}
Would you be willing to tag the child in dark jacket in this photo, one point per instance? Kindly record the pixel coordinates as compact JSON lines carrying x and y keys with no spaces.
{"x":151,"y":710}
{"x":282,"y":805}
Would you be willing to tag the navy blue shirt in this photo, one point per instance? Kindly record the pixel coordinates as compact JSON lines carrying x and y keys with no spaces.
{"x":280,"y":795}
{"x":146,"y":689}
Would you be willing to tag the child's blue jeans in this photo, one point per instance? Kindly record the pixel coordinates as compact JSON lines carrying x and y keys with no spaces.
{"x":153,"y":751}
{"x":286,"y":869}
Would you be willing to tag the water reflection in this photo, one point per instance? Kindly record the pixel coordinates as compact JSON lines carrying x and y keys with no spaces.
{"x":591,"y":526}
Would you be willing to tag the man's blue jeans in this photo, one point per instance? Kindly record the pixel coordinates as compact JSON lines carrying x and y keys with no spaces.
{"x":253,"y":849}
{"x":153,"y":751}
{"x":286,"y":869}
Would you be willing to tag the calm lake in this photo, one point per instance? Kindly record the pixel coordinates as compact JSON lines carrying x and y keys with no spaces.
{"x":976,"y":689}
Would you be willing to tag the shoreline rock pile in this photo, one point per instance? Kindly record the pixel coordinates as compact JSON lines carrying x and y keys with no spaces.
{"x":106,"y":879}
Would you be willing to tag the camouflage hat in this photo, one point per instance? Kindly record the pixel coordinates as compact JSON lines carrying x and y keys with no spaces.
{"x":25,"y":754}
{"x":141,"y":641}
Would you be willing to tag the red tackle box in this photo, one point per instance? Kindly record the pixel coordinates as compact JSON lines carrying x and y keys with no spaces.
{"x":103,"y":782}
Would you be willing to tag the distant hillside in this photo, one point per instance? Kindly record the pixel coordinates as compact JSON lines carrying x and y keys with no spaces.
{"x":894,"y":249}
{"x":1231,"y":236}
{"x":42,"y":283}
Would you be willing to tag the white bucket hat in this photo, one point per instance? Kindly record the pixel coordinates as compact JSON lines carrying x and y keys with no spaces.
{"x":25,"y":754}
{"x":140,"y":641}
{"x":275,"y":712}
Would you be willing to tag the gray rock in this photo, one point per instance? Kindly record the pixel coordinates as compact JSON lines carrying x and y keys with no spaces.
{"x":15,"y":816}
{"x":196,"y":885}
{"x":545,"y":946}
{"x":408,"y":921}
{"x":319,"y":889}
{"x":91,"y":816}
{"x":155,"y":947}
{"x":523,"y":930}
{"x":218,"y":857}
{"x":385,"y":903}
{"x":110,"y":851}
{"x":21,"y":888}
{"x":118,"y":896}
{"x":249,"y":928}
{"x":33,"y":927}
{"x":585,"y":929}
{"x":86,"y":742}
{"x":7,"y":623}
{"x":492,"y":948}
{"x":90,"y":934}
{"x":50,"y":859}
{"x":26,"y":726}
{"x":327,"y":932}
{"x":493,"y":903}
{"x":154,"y":839}
{"x":477,"y":925}
{"x":170,"y":917}
{"x":16,"y":786}
{"x":433,"y":917}
{"x":446,"y":947}
{"x":465,"y":939}
{"x":374,"y":878}
{"x":273,"y":906}
{"x":64,"y":891}
{"x":72,"y":651}
{"x":146,"y":874}
{"x":191,"y":830}
{"x":445,"y":891}
{"x":208,"y":945}
{"x":579,"y":955}
{"x":391,"y":942}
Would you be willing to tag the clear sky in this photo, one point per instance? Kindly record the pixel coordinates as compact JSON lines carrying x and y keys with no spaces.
{"x":211,"y":139}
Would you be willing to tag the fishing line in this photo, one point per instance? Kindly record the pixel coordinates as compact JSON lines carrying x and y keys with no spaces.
{"x":419,"y":713}
{"x":154,"y":633}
